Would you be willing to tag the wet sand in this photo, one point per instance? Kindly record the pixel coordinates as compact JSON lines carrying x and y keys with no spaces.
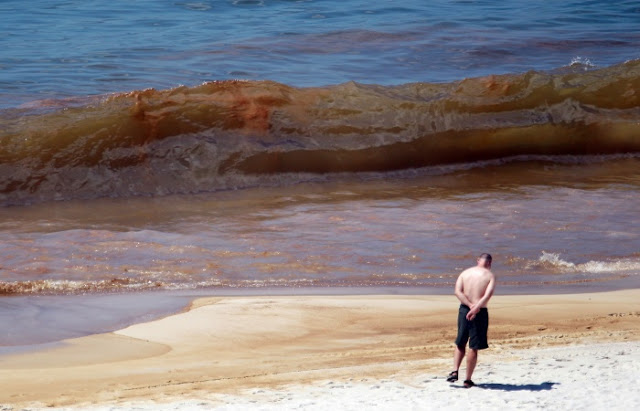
{"x":232,"y":345}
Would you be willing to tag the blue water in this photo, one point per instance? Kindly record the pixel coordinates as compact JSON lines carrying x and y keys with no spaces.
{"x":56,"y":48}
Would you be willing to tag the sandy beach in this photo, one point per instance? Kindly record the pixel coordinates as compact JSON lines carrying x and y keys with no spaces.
{"x":342,"y":352}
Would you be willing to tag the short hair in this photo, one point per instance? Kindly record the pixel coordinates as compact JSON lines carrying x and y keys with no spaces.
{"x":486,"y":257}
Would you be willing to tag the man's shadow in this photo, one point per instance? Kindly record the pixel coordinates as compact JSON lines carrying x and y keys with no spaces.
{"x":545,"y":386}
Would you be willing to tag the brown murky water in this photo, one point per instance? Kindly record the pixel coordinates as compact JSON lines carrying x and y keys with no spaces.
{"x":545,"y":223}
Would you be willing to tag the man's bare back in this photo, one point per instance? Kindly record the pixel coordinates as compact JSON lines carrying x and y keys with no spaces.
{"x":475,"y":286}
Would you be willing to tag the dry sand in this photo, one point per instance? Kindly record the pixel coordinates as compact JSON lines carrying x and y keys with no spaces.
{"x":342,"y":352}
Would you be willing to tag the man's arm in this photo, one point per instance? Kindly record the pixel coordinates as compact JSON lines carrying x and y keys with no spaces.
{"x":459,"y":290}
{"x":488,"y":293}
{"x":482,"y":302}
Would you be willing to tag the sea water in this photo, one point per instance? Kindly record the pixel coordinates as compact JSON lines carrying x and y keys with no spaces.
{"x":310,"y":146}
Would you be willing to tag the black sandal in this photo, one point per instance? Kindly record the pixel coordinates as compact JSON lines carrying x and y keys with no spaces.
{"x":453,"y":376}
{"x":468,"y":383}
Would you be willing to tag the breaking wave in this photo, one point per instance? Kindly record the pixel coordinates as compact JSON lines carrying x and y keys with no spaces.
{"x":235,"y":134}
{"x":553,"y":261}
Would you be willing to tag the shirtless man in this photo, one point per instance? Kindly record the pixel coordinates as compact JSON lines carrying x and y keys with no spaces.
{"x":474,"y":288}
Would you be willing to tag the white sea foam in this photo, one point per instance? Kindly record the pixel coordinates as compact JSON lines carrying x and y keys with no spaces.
{"x":582,"y":62}
{"x":555,"y":260}
{"x":593,"y":267}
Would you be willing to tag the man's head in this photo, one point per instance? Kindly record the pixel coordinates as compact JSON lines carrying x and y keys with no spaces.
{"x":485,"y":260}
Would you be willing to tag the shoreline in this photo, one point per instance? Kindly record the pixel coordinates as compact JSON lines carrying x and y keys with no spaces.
{"x":34,"y":321}
{"x":227,"y":345}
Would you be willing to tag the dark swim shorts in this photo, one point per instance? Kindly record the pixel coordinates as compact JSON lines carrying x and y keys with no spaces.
{"x":474,"y":331}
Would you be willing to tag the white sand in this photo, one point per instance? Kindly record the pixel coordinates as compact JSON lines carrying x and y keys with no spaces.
{"x":575,"y":377}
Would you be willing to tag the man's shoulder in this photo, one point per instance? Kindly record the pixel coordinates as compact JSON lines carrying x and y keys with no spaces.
{"x":475,"y":270}
{"x":485,"y":272}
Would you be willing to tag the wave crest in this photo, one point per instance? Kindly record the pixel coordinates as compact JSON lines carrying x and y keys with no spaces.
{"x":554,"y":262}
{"x":231,"y":134}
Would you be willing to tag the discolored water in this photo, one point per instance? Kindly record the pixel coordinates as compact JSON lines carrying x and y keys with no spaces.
{"x":576,"y":227}
{"x":370,"y":147}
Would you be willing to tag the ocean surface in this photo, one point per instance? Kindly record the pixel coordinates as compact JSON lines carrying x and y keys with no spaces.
{"x":154,"y":150}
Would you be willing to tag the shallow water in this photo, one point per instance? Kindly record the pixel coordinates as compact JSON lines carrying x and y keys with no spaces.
{"x":403,"y":231}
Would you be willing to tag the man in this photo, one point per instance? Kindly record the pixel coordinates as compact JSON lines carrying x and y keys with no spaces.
{"x":474,"y":288}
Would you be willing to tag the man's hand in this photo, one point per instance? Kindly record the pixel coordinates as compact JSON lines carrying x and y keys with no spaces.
{"x":472,"y":313}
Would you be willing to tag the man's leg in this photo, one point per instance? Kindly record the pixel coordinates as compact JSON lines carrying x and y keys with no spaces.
{"x":461,"y":342}
{"x":472,"y":359}
{"x":458,"y":355}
